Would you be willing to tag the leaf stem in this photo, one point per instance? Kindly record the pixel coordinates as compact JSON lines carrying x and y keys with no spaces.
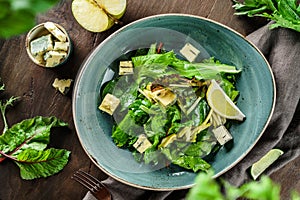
{"x":7,"y":156}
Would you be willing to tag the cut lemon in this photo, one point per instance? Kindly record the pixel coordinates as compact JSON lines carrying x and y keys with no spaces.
{"x":221,"y":103}
{"x":262,"y":164}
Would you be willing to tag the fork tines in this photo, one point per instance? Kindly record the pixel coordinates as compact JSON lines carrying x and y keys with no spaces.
{"x":87,"y":180}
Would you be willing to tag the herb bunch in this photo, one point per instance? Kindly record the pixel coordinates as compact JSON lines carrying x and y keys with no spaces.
{"x":285,"y":13}
{"x":211,"y":189}
{"x":18,"y":16}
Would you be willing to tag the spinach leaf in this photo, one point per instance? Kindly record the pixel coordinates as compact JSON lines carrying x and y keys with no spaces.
{"x":36,"y":164}
{"x":192,"y":162}
{"x":25,"y":143}
{"x":29,"y":134}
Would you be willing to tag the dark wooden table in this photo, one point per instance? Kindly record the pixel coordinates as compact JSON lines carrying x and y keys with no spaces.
{"x":33,"y":84}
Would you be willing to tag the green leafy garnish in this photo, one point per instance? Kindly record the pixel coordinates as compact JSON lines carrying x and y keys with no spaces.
{"x":212,"y":189}
{"x":18,"y":16}
{"x":285,"y":13}
{"x":25,"y":143}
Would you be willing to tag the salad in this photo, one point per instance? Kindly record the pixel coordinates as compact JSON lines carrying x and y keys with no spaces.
{"x":161,"y":111}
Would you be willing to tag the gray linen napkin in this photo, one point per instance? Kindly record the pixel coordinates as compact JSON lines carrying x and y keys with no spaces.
{"x":281,"y":47}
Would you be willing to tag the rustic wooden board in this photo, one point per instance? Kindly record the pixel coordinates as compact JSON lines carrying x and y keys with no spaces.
{"x":33,"y":84}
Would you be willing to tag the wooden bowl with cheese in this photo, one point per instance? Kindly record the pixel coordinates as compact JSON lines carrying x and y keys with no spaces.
{"x":48,"y":45}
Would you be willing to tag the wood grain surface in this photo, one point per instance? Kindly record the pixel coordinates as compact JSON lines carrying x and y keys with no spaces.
{"x":33,"y":84}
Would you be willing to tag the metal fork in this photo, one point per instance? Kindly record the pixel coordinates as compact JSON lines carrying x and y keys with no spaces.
{"x":92,"y":184}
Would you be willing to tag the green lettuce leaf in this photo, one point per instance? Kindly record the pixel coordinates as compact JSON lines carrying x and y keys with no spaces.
{"x":36,"y":164}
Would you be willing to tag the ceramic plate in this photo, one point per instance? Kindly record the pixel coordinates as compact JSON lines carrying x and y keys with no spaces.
{"x":256,"y":85}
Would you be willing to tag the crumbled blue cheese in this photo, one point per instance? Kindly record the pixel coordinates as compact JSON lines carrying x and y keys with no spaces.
{"x":39,"y":58}
{"x":55,"y":31}
{"x":125,"y":67}
{"x":41,"y":45}
{"x":222,"y":134}
{"x":109,"y":104}
{"x":62,"y":85}
{"x":61,"y":46}
{"x":189,"y":52}
{"x":53,"y":58}
{"x":142,"y":143}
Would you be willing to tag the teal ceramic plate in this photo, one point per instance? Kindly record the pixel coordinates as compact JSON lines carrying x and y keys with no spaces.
{"x":256,"y":100}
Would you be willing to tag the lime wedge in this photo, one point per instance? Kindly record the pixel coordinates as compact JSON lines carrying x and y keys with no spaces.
{"x":221,"y":103}
{"x":262,"y":164}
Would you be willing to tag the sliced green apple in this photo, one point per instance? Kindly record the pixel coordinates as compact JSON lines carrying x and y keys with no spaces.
{"x":98,"y":15}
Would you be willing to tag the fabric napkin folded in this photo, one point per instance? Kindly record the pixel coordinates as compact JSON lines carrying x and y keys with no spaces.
{"x":281,"y":48}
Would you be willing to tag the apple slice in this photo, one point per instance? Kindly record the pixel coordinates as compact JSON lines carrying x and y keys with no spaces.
{"x":115,"y":8}
{"x":98,"y":15}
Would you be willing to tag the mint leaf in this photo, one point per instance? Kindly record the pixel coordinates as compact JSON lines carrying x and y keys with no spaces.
{"x":29,"y":134}
{"x":36,"y":164}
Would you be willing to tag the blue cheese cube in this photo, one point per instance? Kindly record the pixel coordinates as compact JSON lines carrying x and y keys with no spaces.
{"x":125,"y":67}
{"x":222,"y":134}
{"x":142,"y":143}
{"x":189,"y":52}
{"x":61,"y":46}
{"x":62,"y":85}
{"x":55,"y":31}
{"x":109,"y":104}
{"x":41,"y":45}
{"x":54,"y":58}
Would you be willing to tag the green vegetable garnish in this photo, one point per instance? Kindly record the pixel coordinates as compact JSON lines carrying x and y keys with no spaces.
{"x":25,"y":143}
{"x":285,"y":13}
{"x":17,"y":17}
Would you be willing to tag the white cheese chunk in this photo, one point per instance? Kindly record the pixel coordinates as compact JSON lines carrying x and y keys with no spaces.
{"x":39,"y":58}
{"x":125,"y":67}
{"x":62,"y":85}
{"x":61,"y":46}
{"x":142,"y":143}
{"x":55,"y":31}
{"x":41,"y":45}
{"x":109,"y":104}
{"x":165,"y":97}
{"x":189,"y":52}
{"x":54,"y":58}
{"x":222,"y":134}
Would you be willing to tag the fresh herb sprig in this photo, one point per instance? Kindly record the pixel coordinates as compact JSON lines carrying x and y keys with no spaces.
{"x":285,"y":13}
{"x":4,"y":105}
{"x":17,"y":17}
{"x":208,"y":188}
{"x":25,"y":143}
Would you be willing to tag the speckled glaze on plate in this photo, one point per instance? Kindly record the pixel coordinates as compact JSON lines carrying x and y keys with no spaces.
{"x":256,"y":100}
